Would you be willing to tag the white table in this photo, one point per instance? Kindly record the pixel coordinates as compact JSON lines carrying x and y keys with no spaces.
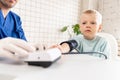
{"x":69,"y":67}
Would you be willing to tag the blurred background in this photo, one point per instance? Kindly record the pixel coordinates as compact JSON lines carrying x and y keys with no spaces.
{"x":43,"y":19}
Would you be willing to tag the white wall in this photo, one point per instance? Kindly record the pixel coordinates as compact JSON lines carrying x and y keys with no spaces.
{"x":42,"y":19}
{"x":110,"y":10}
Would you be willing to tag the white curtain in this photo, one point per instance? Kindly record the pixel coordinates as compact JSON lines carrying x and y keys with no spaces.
{"x":89,"y":4}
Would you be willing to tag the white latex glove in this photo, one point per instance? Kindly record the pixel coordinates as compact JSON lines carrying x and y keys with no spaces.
{"x":12,"y":47}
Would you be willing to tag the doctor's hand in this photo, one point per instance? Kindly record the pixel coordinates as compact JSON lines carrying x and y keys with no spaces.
{"x":12,"y":48}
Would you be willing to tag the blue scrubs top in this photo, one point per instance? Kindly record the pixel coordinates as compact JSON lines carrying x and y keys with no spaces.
{"x":11,"y":26}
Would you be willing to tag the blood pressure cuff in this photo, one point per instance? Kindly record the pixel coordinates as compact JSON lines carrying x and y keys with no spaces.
{"x":72,"y":44}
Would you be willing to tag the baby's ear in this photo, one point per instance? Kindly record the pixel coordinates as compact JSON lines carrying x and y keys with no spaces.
{"x":100,"y":28}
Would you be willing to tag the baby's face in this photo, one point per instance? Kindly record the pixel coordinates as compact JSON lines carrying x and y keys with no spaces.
{"x":89,"y":25}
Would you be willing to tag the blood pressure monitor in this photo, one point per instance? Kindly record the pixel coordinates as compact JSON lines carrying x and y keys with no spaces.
{"x":43,"y":58}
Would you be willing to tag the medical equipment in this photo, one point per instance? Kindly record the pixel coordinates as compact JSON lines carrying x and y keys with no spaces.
{"x":43,"y":58}
{"x":73,"y":44}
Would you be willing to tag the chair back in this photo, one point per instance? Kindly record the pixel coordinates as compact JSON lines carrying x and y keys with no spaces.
{"x":113,"y":43}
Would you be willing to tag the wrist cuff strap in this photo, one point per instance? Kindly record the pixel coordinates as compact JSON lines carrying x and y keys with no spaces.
{"x":72,"y":44}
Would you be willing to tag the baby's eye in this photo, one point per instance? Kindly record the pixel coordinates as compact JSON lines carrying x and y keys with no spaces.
{"x":93,"y":22}
{"x":84,"y":23}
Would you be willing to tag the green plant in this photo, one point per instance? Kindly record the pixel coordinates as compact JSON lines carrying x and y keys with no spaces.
{"x":75,"y":29}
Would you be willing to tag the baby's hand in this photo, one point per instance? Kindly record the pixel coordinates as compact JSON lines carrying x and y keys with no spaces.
{"x":54,"y":46}
{"x":58,"y":46}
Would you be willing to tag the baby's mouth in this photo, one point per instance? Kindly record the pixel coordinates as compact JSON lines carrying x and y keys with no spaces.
{"x":87,"y":30}
{"x":12,"y":1}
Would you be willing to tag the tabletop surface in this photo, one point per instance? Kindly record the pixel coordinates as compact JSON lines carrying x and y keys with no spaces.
{"x":69,"y":67}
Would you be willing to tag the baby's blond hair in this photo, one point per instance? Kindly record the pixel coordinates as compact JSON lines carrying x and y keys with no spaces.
{"x":98,"y":15}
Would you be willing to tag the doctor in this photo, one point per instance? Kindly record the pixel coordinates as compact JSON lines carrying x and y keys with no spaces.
{"x":12,"y":38}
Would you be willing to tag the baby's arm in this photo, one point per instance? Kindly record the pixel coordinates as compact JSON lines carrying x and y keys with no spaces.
{"x":66,"y":46}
